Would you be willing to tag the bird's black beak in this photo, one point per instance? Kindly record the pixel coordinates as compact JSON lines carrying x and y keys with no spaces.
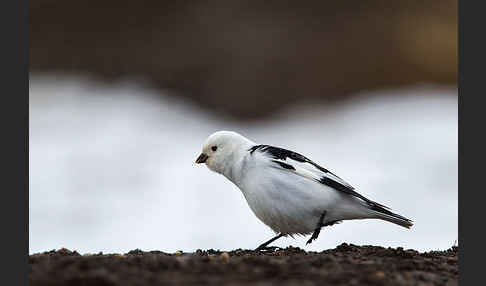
{"x":202,"y":158}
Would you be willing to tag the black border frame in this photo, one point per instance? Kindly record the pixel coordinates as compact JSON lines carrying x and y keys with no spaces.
{"x":15,"y":121}
{"x":471,"y":203}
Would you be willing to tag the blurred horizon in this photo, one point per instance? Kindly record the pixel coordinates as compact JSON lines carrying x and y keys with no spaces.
{"x":262,"y":56}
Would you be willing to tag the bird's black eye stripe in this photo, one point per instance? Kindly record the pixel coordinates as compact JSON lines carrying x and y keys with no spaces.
{"x":214,"y":148}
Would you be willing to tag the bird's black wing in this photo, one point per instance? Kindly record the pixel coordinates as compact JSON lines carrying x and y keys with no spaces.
{"x":305,"y":167}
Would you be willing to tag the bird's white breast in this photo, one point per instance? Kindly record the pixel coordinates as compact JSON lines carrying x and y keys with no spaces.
{"x":286,"y":202}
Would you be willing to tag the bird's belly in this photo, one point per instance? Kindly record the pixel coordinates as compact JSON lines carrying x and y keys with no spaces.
{"x":289,"y":206}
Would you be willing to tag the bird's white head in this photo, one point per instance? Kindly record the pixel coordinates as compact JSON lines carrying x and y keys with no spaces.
{"x":221,"y":149}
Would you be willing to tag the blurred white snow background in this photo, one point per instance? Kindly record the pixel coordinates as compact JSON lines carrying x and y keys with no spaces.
{"x":112,"y":168}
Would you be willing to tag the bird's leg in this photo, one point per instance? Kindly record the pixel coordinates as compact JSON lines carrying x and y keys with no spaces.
{"x":320,"y":224}
{"x":263,"y":245}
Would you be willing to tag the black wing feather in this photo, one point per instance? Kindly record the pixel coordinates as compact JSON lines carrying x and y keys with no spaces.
{"x":283,"y":154}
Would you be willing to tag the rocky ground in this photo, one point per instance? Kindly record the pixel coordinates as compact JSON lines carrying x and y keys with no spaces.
{"x":344,"y":265}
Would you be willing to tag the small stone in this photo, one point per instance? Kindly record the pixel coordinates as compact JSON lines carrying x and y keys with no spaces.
{"x":224,"y":257}
{"x":380,"y":274}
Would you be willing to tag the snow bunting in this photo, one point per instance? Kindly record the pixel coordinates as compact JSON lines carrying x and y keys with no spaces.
{"x":287,"y":191}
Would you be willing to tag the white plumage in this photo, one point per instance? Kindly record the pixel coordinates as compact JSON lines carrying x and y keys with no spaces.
{"x":287,"y":191}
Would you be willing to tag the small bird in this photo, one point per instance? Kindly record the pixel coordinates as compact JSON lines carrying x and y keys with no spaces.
{"x":287,"y":191}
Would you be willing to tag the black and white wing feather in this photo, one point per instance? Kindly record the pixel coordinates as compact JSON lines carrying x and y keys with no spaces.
{"x":303,"y":166}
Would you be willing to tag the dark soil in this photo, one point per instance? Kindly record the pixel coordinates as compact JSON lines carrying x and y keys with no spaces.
{"x":344,"y":265}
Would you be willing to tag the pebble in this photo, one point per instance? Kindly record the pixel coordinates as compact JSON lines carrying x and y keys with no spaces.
{"x":380,"y":274}
{"x":224,"y":257}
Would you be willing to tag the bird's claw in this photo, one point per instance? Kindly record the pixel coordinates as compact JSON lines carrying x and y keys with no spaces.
{"x":310,"y":240}
{"x":266,"y":248}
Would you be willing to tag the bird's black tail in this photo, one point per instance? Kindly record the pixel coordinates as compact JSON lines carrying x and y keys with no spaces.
{"x":383,"y":212}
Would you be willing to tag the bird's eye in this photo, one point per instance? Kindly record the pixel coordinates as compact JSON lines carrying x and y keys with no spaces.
{"x":214,"y":148}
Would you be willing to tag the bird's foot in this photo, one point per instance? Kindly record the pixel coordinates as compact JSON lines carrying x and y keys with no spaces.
{"x":320,"y":224}
{"x":314,"y":236}
{"x":264,"y":245}
{"x":267,"y":248}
